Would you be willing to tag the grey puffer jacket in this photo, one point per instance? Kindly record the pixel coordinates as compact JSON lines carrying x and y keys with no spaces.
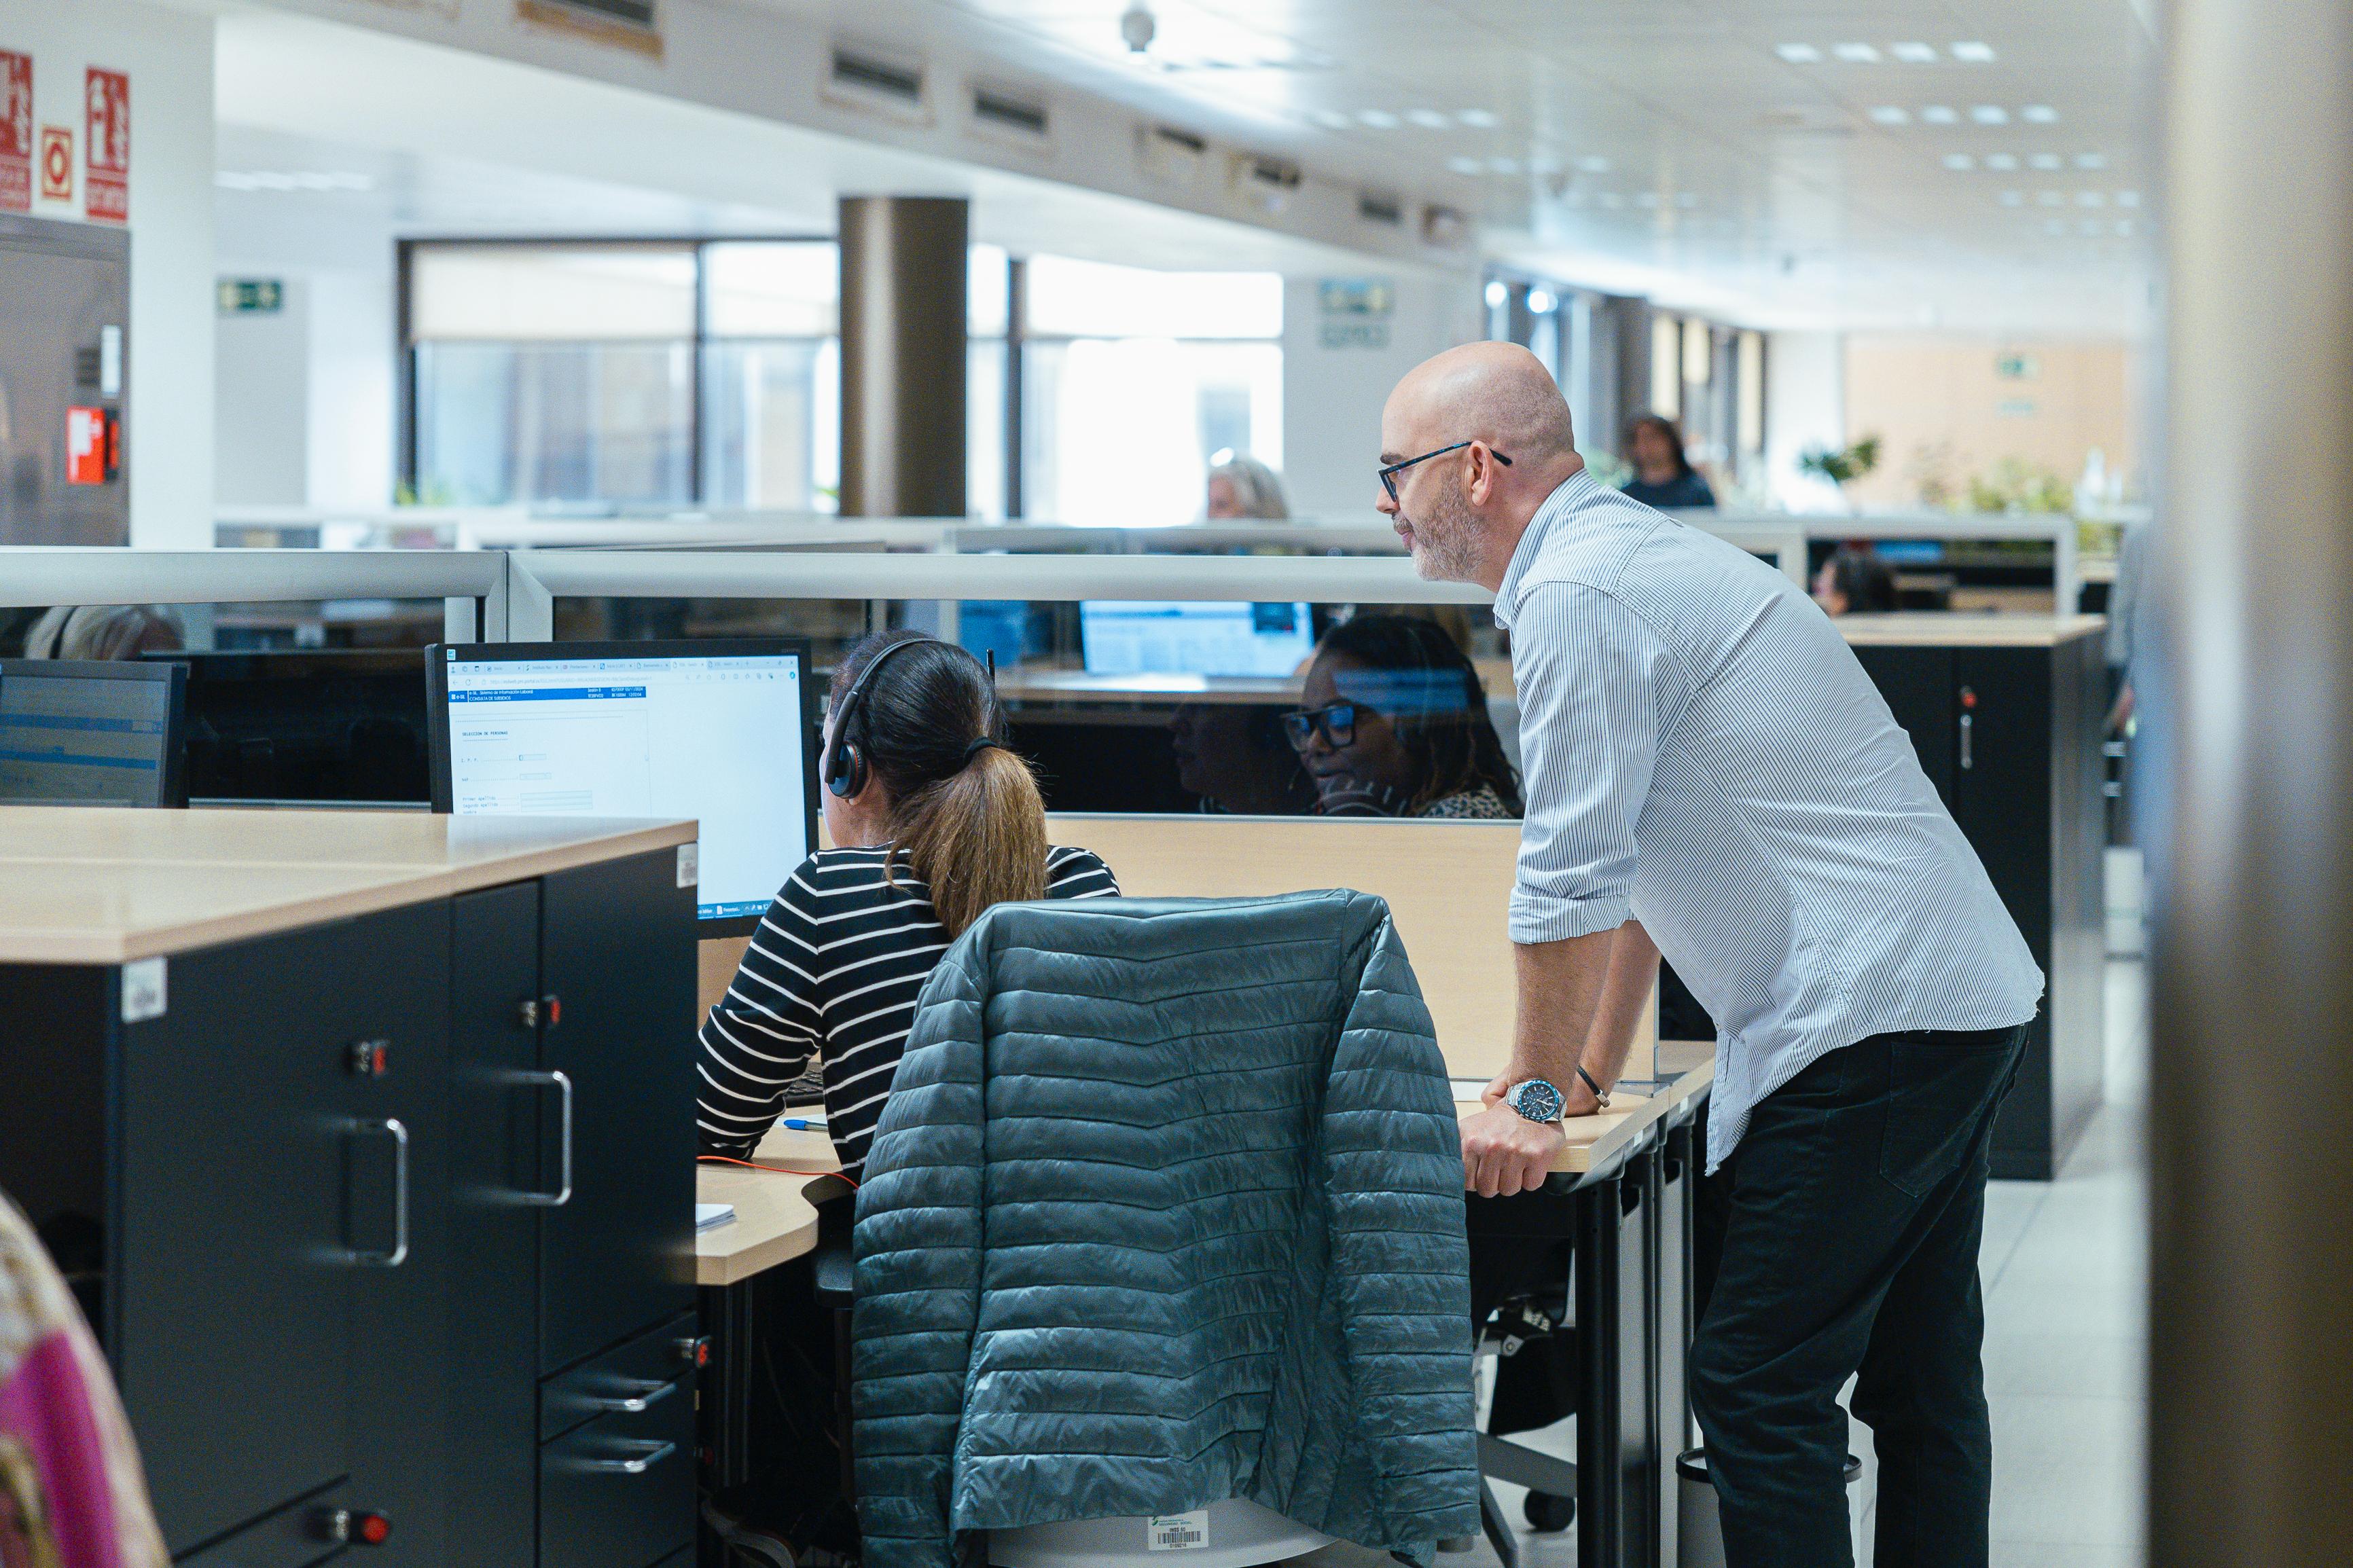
{"x":1166,"y":1208}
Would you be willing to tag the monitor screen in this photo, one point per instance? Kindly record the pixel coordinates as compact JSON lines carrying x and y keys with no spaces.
{"x":75,"y":733}
{"x":717,"y":730}
{"x":1149,"y":636}
{"x":312,"y":724}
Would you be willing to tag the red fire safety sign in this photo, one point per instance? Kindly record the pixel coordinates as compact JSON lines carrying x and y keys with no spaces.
{"x":86,"y":433}
{"x":57,"y":164}
{"x":106,"y":186}
{"x":16,"y":131}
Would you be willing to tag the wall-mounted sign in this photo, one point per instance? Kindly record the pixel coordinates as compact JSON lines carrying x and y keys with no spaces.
{"x":16,"y":131}
{"x":251,"y":296}
{"x":85,"y":446}
{"x":2015,"y":409}
{"x":2017,"y":367}
{"x":1355,"y":311}
{"x":106,"y":186}
{"x":57,"y":164}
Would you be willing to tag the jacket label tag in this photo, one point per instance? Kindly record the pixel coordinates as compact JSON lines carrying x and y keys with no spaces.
{"x":1179,"y":1531}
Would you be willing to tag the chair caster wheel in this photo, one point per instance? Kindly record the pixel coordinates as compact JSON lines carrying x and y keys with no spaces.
{"x":1547,"y":1513}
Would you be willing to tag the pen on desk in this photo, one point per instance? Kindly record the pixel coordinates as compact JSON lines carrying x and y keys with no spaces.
{"x":805,"y":1123}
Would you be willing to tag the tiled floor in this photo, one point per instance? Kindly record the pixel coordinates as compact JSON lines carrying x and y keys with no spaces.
{"x":2062,"y":1266}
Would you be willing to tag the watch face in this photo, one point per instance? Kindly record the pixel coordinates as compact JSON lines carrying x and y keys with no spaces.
{"x":1537,"y":1100}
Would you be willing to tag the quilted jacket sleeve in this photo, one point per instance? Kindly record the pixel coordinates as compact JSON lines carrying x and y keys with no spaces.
{"x":1400,"y":1264}
{"x":918,"y":1249}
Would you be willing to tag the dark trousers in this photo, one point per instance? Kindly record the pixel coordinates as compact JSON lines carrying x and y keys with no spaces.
{"x":1847,"y":1225}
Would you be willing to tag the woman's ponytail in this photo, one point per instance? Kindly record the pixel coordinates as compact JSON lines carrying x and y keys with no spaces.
{"x":977,"y":837}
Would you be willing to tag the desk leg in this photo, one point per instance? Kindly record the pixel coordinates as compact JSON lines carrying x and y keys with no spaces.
{"x":1617,"y":1447}
{"x":1673,"y":1304}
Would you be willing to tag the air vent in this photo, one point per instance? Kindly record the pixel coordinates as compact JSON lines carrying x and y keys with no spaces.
{"x":1001,"y":110}
{"x":630,"y":23}
{"x":1375,"y":207}
{"x":628,"y":13}
{"x":874,"y":81}
{"x":1168,"y":156}
{"x":1445,"y":227}
{"x":1264,"y":182}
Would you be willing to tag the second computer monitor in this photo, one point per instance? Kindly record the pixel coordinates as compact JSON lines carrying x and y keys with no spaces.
{"x":91,"y":733}
{"x":717,"y":729}
{"x":1148,"y":636}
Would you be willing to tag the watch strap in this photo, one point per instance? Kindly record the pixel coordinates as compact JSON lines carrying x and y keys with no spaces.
{"x":1600,"y":1095}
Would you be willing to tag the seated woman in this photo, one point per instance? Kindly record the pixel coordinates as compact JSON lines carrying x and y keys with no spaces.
{"x":933,"y":820}
{"x":1663,"y":476}
{"x":1396,"y":724}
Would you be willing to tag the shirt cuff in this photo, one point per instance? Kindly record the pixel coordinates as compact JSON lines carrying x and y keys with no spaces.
{"x":1539,"y":917}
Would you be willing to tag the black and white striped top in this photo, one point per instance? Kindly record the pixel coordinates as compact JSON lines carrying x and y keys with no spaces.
{"x":833,"y":970}
{"x":1704,"y":752}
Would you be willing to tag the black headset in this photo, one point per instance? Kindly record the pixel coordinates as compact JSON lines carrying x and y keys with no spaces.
{"x":846,"y":768}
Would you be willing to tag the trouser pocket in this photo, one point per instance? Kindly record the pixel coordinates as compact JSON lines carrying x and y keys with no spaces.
{"x":1941,"y":1087}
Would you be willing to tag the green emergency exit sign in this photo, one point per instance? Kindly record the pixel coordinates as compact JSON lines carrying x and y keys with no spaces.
{"x":251,"y":296}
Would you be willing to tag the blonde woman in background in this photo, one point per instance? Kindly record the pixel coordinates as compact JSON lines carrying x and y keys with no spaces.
{"x":1241,"y":487}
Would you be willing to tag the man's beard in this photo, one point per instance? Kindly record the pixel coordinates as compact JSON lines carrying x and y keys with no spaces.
{"x":1446,"y":540}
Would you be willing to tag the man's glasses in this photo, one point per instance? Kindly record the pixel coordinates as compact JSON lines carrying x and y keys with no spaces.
{"x":1337,"y":721}
{"x":1390,"y":474}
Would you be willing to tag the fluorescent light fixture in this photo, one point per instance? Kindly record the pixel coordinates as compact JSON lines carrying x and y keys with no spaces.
{"x":1477,"y":119}
{"x":2092,"y":228}
{"x":1496,"y":293}
{"x":2046,"y":162}
{"x":1959,"y":161}
{"x":2128,"y":198}
{"x":1376,"y":119}
{"x":1646,"y":198}
{"x":1543,"y":164}
{"x":1505,"y":165}
{"x":1888,"y":114}
{"x":2002,"y":161}
{"x":2013,"y":198}
{"x":2039,"y":114}
{"x":1466,"y":165}
{"x":1940,"y":114}
{"x":2124,"y":228}
{"x":1798,"y":54}
{"x":1593,"y":163}
{"x":1333,"y":120}
{"x":1541,"y":302}
{"x":2056,"y":226}
{"x":1429,"y":119}
{"x":2090,"y":199}
{"x":1856,"y":53}
{"x":1914,"y":53}
{"x":299,"y":180}
{"x":2091,"y":160}
{"x":2052,"y":198}
{"x":1973,"y":53}
{"x":1989,"y":114}
{"x":1613,"y":200}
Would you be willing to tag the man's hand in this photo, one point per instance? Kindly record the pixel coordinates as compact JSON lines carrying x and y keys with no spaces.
{"x":1505,"y":1152}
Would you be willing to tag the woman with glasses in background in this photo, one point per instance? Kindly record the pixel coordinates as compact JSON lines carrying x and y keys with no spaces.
{"x":1394,"y":723}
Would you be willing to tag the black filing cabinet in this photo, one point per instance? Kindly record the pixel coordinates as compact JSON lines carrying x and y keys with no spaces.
{"x":2008,"y":732}
{"x":389,"y":1214}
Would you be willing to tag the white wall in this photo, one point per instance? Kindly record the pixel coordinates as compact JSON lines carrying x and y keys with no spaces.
{"x":261,"y":365}
{"x":1331,"y":396}
{"x":1805,"y":408}
{"x":168,"y":402}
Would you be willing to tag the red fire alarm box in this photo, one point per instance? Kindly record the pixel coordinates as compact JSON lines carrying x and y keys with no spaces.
{"x":91,"y":449}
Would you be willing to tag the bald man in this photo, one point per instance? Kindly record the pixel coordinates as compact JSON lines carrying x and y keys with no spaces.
{"x":1711,"y":774}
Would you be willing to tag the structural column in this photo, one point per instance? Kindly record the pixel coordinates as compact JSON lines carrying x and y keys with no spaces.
{"x":2251,"y":1331}
{"x":902,"y":355}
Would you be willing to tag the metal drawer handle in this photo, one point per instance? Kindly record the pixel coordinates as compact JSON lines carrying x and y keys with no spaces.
{"x":554,"y":1200}
{"x":1967,"y":723}
{"x":399,"y":1253}
{"x":652,"y":1454}
{"x":648,"y":1393}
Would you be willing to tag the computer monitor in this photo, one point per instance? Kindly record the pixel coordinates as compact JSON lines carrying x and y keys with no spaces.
{"x":308,"y":725}
{"x":1152,"y":637}
{"x":720,"y":729}
{"x":92,"y":733}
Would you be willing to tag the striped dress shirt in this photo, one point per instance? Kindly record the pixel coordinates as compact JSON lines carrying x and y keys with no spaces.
{"x":1703,"y":753}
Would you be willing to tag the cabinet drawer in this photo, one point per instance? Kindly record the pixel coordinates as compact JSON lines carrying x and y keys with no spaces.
{"x":295,"y":1537}
{"x":651,"y":1369}
{"x":619,"y":1491}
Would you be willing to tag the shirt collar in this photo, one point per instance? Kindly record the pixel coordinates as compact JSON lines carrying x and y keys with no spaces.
{"x":1567,"y":499}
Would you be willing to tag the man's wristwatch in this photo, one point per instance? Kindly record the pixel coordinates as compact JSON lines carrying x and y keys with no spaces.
{"x":1537,"y":1099}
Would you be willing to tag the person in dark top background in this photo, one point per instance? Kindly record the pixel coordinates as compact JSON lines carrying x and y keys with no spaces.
{"x":1394,"y":723}
{"x":1663,"y":476}
{"x":1855,"y":581}
{"x":933,"y":819}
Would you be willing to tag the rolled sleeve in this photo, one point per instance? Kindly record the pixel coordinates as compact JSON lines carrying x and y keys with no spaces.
{"x":1595,"y":684}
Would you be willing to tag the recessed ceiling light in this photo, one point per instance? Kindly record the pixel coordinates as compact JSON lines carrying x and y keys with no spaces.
{"x":1959,"y":160}
{"x":1940,"y":114}
{"x":1428,"y":119}
{"x":1798,"y":54}
{"x":2090,"y":199}
{"x":1989,"y":114}
{"x":2056,"y":225}
{"x":1543,"y":164}
{"x":2013,"y":198}
{"x":1914,"y":53}
{"x":1332,"y":119}
{"x":1541,"y":302}
{"x":1888,"y":114}
{"x":2052,"y":198}
{"x":1505,"y":165}
{"x":2128,"y":198}
{"x":1973,"y":53}
{"x":2001,"y":160}
{"x":1496,"y":293}
{"x":2124,"y":228}
{"x":1856,"y":53}
{"x":2046,"y":162}
{"x":1377,"y":119}
{"x":1466,"y":165}
{"x":1477,"y":119}
{"x":1593,"y":163}
{"x":2039,"y":114}
{"x":2091,"y":160}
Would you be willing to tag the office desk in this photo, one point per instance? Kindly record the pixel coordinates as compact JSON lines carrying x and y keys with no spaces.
{"x":775,"y":1211}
